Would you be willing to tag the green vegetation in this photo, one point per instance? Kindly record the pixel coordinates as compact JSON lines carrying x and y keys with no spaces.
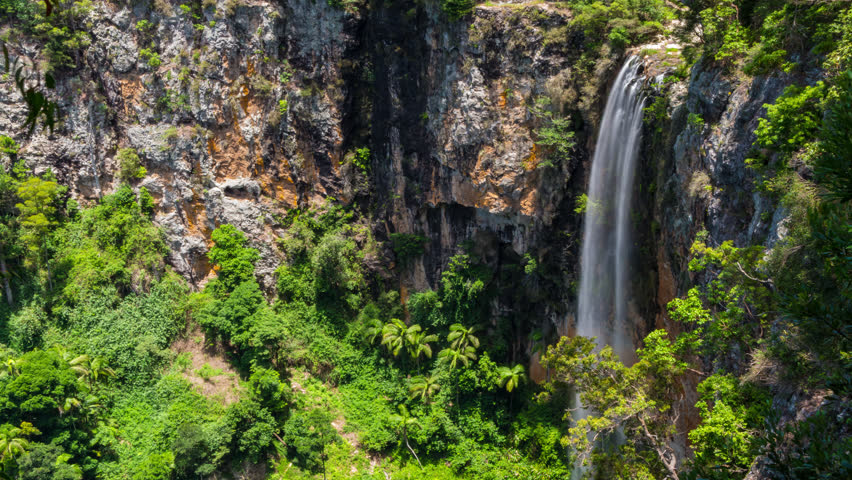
{"x":555,"y":134}
{"x":129,"y":165}
{"x":150,"y":57}
{"x":456,"y":9}
{"x":336,"y":371}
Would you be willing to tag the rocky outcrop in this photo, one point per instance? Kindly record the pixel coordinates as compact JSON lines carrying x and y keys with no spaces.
{"x":243,"y":110}
{"x":247,"y":109}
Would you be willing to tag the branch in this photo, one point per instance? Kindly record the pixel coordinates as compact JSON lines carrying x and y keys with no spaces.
{"x":767,"y":282}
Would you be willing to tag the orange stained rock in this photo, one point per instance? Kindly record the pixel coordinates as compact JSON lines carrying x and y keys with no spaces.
{"x":244,"y":99}
{"x":131,"y":91}
{"x":529,"y":200}
{"x":212,"y":148}
{"x":532,"y":161}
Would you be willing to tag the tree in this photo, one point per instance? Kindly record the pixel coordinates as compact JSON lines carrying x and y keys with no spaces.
{"x":235,"y":261}
{"x":373,"y":330}
{"x":423,"y":387}
{"x":461,"y":337}
{"x":13,"y":440}
{"x":632,"y":400}
{"x":452,"y":356}
{"x":511,"y":378}
{"x":129,"y":165}
{"x":14,"y":444}
{"x":403,"y":422}
{"x":36,"y":214}
{"x":418,"y":343}
{"x":462,"y":288}
{"x":393,"y":336}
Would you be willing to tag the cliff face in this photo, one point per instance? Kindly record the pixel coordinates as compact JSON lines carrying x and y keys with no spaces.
{"x":252,"y":108}
{"x":256,"y":107}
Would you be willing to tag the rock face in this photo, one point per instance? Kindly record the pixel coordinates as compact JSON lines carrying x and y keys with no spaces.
{"x":254,"y":107}
{"x":247,"y":109}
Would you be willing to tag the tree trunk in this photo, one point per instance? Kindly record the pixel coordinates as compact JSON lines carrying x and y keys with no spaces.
{"x":412,"y":451}
{"x":6,"y":287}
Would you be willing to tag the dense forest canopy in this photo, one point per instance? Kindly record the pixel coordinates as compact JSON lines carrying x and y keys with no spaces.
{"x":117,"y":367}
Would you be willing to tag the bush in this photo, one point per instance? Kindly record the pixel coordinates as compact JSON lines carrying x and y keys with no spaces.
{"x":793,"y":119}
{"x":233,"y":259}
{"x":150,"y":57}
{"x":129,"y":165}
{"x":456,"y":9}
{"x":407,"y":246}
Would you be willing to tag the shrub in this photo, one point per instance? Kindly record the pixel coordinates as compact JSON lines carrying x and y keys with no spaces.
{"x":129,"y":166}
{"x":456,"y":9}
{"x":407,"y":246}
{"x":234,"y":260}
{"x":150,"y":57}
{"x":793,"y":119}
{"x":362,"y":159}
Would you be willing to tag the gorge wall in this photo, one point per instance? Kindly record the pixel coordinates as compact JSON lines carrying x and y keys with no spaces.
{"x":258,"y":107}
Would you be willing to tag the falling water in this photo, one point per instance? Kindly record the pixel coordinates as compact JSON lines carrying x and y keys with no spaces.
{"x":604,"y":262}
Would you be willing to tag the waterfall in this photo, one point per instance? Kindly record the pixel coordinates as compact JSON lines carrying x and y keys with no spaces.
{"x":605,"y":257}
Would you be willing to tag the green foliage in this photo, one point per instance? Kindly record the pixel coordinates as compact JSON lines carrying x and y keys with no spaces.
{"x":426,"y":308}
{"x":150,"y":57}
{"x":362,"y":159}
{"x":511,"y":378}
{"x":723,"y":33}
{"x":129,"y":165}
{"x":61,"y":31}
{"x":793,"y":119}
{"x":47,"y":461}
{"x":833,"y":163}
{"x":36,"y":213}
{"x":726,"y":438}
{"x":462,"y":291}
{"x":307,"y":434}
{"x":407,"y":246}
{"x":812,"y":448}
{"x":555,"y":134}
{"x":456,"y":9}
{"x":695,"y":121}
{"x":633,"y":400}
{"x":734,"y":305}
{"x":112,"y":244}
{"x":233,"y":260}
{"x":620,"y":22}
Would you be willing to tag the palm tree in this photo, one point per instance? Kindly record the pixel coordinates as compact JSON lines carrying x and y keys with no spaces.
{"x":373,"y":330}
{"x":511,"y":378}
{"x":418,"y":343}
{"x":13,"y":366}
{"x":402,"y":423}
{"x":12,"y":441}
{"x":393,"y":336}
{"x":461,"y":337}
{"x":97,"y":371}
{"x":423,"y":387}
{"x":452,"y":356}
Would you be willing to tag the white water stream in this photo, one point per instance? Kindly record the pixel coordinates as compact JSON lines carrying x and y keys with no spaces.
{"x":607,"y":243}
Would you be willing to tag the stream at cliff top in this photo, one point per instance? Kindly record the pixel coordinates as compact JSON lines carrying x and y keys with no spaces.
{"x":607,"y":244}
